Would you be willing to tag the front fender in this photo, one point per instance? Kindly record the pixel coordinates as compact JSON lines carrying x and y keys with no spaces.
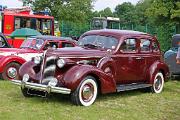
{"x":8,"y":59}
{"x":76,"y":74}
{"x":27,"y":68}
{"x":156,"y":67}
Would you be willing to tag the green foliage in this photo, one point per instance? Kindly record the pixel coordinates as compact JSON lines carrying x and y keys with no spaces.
{"x":73,"y":29}
{"x":175,"y":13}
{"x":68,"y":10}
{"x":125,"y":12}
{"x":164,"y":33}
{"x":104,"y":13}
{"x":165,"y":15}
{"x":140,"y":9}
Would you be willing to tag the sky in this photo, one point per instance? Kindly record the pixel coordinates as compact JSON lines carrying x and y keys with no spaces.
{"x":102,"y":4}
{"x":99,"y":4}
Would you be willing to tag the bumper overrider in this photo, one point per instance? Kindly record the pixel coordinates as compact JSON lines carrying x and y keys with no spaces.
{"x":40,"y":87}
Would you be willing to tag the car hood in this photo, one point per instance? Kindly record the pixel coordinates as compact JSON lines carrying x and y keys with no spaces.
{"x":77,"y":52}
{"x":25,"y":54}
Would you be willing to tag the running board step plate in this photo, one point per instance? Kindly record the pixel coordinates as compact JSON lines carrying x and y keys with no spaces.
{"x":133,"y":86}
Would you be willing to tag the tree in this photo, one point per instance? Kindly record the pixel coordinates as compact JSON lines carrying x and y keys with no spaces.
{"x":106,"y":12}
{"x":140,"y":9}
{"x":125,"y":12}
{"x":69,"y":10}
{"x":164,"y":11}
{"x":165,"y":15}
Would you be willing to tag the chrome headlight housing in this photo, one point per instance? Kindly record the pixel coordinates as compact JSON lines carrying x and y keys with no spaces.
{"x":37,"y":60}
{"x":61,"y":63}
{"x":25,"y":78}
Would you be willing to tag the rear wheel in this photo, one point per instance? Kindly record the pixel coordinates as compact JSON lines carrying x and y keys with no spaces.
{"x":158,"y":83}
{"x":11,"y":71}
{"x":86,"y":92}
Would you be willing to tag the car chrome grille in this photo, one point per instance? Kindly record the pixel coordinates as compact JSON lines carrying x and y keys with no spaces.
{"x":48,"y":69}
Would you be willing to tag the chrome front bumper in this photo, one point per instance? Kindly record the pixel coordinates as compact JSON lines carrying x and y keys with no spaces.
{"x":40,"y":87}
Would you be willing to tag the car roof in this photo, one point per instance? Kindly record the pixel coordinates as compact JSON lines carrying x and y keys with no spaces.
{"x":115,"y":32}
{"x":55,"y":38}
{"x":176,"y":35}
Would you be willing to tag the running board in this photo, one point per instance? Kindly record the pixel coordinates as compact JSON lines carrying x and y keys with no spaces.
{"x":133,"y":86}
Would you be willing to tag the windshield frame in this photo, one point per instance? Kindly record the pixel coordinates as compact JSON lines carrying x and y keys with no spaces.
{"x":28,"y":44}
{"x":104,"y":39}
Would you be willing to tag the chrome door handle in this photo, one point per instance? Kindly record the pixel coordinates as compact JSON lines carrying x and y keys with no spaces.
{"x":139,"y":58}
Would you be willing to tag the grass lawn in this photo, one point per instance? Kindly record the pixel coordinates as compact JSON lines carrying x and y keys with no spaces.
{"x":130,"y":105}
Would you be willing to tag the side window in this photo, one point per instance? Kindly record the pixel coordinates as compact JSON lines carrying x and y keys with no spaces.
{"x":145,"y":45}
{"x":51,"y":45}
{"x":2,"y":42}
{"x":155,"y":47}
{"x":110,"y":43}
{"x":65,"y":44}
{"x":129,"y":45}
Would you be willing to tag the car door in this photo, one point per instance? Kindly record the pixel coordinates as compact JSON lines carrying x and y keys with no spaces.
{"x":130,"y":62}
{"x":146,"y":55}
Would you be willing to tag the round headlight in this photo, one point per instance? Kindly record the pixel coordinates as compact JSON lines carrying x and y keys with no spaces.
{"x":61,"y":63}
{"x":53,"y":82}
{"x":37,"y":60}
{"x":25,"y":77}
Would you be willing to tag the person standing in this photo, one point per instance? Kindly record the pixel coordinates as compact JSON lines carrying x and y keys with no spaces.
{"x":178,"y":56}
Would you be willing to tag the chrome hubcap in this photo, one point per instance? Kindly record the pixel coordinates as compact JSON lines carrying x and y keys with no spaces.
{"x":87,"y":93}
{"x":12,"y":72}
{"x":158,"y":83}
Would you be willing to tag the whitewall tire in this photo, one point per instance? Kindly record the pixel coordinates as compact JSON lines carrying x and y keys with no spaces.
{"x":158,"y":83}
{"x":86,"y":92}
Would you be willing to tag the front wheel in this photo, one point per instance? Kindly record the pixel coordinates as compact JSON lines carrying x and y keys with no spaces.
{"x":158,"y":83}
{"x":86,"y":92}
{"x":11,"y":71}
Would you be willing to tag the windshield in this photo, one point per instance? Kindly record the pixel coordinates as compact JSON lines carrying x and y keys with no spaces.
{"x":32,"y":43}
{"x":97,"y":41}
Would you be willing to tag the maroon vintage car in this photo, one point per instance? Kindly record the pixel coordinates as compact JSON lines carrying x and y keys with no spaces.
{"x":106,"y":61}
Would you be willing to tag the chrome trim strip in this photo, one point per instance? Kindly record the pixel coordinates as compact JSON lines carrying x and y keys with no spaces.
{"x":100,"y":61}
{"x":50,"y":58}
{"x":81,"y":57}
{"x":40,"y":87}
{"x":50,"y":68}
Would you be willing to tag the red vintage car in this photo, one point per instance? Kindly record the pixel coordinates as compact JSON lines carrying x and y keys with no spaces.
{"x":106,"y":61}
{"x":12,"y":58}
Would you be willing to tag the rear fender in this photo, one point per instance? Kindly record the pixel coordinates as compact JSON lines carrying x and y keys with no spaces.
{"x":76,"y":74}
{"x":155,"y":68}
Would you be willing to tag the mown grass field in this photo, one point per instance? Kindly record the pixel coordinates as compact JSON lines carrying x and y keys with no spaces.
{"x":131,"y":105}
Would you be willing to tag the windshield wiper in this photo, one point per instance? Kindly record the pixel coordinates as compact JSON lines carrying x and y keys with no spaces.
{"x":91,"y":46}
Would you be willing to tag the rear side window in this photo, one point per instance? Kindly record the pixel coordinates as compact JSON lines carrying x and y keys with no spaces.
{"x":145,"y":45}
{"x":129,"y":45}
{"x":65,"y":44}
